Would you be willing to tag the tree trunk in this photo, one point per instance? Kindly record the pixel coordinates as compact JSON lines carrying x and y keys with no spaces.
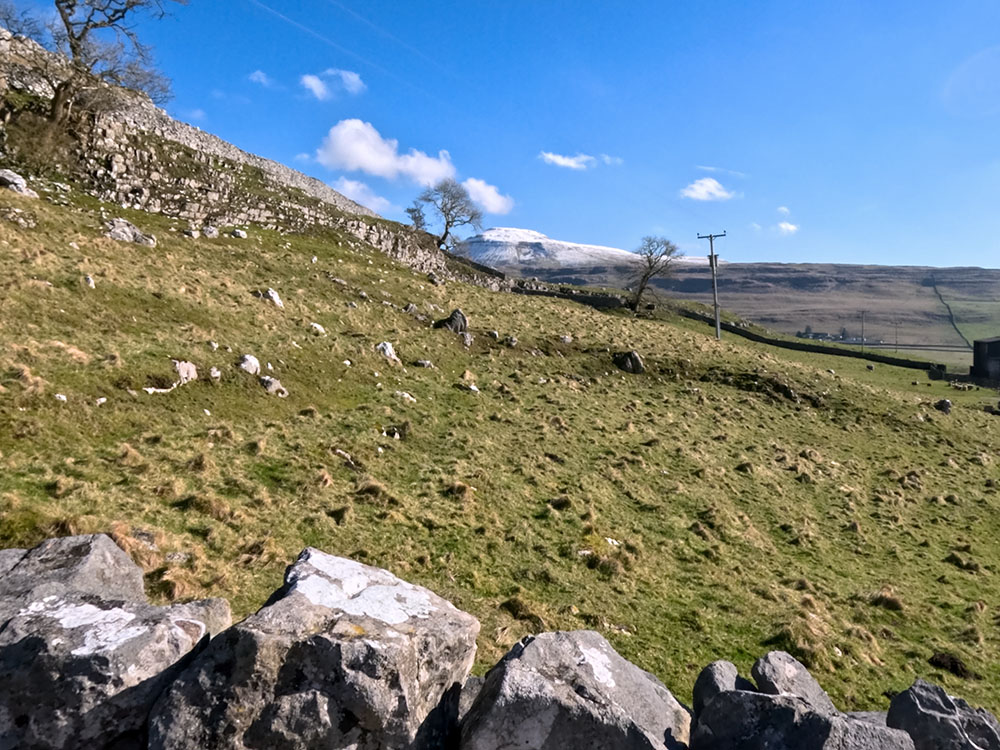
{"x":61,"y":99}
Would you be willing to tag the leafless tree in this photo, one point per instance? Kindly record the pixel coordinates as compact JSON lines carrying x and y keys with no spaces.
{"x":655,"y":256}
{"x":454,"y":208}
{"x":19,"y":23}
{"x":100,"y":44}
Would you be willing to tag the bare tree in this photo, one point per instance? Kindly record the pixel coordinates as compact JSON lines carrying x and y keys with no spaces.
{"x":454,"y":208}
{"x":655,"y":255}
{"x":100,"y":44}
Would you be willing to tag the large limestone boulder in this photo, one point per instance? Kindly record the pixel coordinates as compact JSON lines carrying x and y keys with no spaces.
{"x":629,"y":361}
{"x":82,"y":654}
{"x":343,"y":656}
{"x":938,"y":721}
{"x":572,"y":690}
{"x":456,"y":322}
{"x":13,"y":181}
{"x":743,"y":720}
{"x":778,"y":673}
{"x":83,"y":672}
{"x":717,"y":677}
{"x":90,"y":564}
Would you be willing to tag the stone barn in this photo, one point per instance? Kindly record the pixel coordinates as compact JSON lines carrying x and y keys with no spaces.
{"x":986,"y":358}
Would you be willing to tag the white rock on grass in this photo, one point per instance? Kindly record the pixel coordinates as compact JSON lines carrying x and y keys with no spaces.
{"x":89,"y":281}
{"x":13,"y":181}
{"x":343,"y":656}
{"x":249,"y":363}
{"x":125,"y":231}
{"x":239,"y":234}
{"x":406,"y":397}
{"x":186,"y":371}
{"x":386,"y":350}
{"x":318,"y":329}
{"x":274,"y":387}
{"x":210,"y":233}
{"x":272,"y":296}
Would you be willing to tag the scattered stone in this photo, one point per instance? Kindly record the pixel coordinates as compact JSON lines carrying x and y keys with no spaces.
{"x":186,"y":371}
{"x":938,"y":721}
{"x":495,"y":335}
{"x":314,"y":259}
{"x":871,"y":368}
{"x":717,"y":677}
{"x":210,"y":233}
{"x":423,"y":363}
{"x":60,"y":397}
{"x":239,"y":234}
{"x":406,"y":397}
{"x":317,"y":328}
{"x":215,"y":374}
{"x":18,"y":216}
{"x":386,"y":350}
{"x":274,"y":386}
{"x":13,"y":181}
{"x":410,"y":308}
{"x":249,"y":363}
{"x":628,"y":361}
{"x":125,"y":231}
{"x":432,"y":277}
{"x":566,"y":339}
{"x":352,"y":304}
{"x":467,"y":339}
{"x":510,"y":341}
{"x":89,"y":281}
{"x":944,"y":405}
{"x":743,"y":720}
{"x":213,"y":345}
{"x":572,"y":690}
{"x":342,"y":656}
{"x":456,"y":322}
{"x":101,"y":400}
{"x":272,"y":295}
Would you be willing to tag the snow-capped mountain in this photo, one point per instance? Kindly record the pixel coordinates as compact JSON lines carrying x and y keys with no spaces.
{"x":506,"y":248}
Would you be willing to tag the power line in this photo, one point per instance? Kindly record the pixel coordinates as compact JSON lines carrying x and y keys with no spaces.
{"x":713,"y":261}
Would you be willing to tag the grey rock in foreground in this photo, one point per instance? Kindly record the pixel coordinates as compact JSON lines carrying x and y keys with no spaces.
{"x":343,"y":656}
{"x":628,"y":361}
{"x":456,"y":322}
{"x":742,"y":720}
{"x":572,"y":690}
{"x":73,"y":565}
{"x":938,"y":721}
{"x":125,"y":231}
{"x":778,"y":673}
{"x":717,"y":677}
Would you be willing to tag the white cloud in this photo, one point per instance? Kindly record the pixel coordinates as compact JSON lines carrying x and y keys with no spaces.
{"x":196,"y":114}
{"x":580,"y":161}
{"x":786,"y":228}
{"x":259,"y":76}
{"x":316,"y":86}
{"x":350,"y":80}
{"x":356,"y":146}
{"x":784,"y":210}
{"x":723,"y":170}
{"x":706,"y":189}
{"x":612,"y":161}
{"x":359,"y":192}
{"x":755,"y":226}
{"x":488,"y":196}
{"x":303,"y":157}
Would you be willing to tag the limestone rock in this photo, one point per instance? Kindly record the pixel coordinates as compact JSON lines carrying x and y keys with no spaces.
{"x":572,"y":690}
{"x":83,"y":672}
{"x":628,"y":361}
{"x":13,"y":181}
{"x":9,"y":558}
{"x":343,"y":656}
{"x":742,"y":720}
{"x":125,"y":231}
{"x":386,"y":350}
{"x":186,"y":371}
{"x":89,"y":564}
{"x":239,"y":234}
{"x":272,"y":296}
{"x":249,"y":363}
{"x":274,"y":386}
{"x":778,"y":673}
{"x":467,"y":339}
{"x":938,"y":721}
{"x":210,"y":232}
{"x":717,"y":677}
{"x":456,"y":322}
{"x":944,"y":405}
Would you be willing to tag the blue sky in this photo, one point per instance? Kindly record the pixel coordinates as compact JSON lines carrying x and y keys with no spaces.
{"x":809,"y":131}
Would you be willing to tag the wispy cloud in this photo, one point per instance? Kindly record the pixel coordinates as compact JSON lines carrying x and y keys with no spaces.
{"x":580,"y":161}
{"x":612,"y":161}
{"x":331,"y":80}
{"x":262,"y":78}
{"x":488,"y":196}
{"x":303,"y":157}
{"x":361,"y":193}
{"x":755,"y":226}
{"x":721,"y":170}
{"x":196,"y":115}
{"x":707,"y":189}
{"x":353,"y":145}
{"x":787,"y":228}
{"x":784,"y":210}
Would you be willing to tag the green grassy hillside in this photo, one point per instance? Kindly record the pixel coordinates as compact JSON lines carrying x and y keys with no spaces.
{"x":732,"y":499}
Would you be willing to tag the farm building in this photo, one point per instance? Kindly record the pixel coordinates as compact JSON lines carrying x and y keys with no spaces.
{"x":986,"y":358}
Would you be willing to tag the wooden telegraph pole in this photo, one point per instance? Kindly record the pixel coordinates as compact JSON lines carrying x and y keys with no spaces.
{"x":713,"y":261}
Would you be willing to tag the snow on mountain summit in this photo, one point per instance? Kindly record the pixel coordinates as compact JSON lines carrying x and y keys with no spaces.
{"x":508,"y":247}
